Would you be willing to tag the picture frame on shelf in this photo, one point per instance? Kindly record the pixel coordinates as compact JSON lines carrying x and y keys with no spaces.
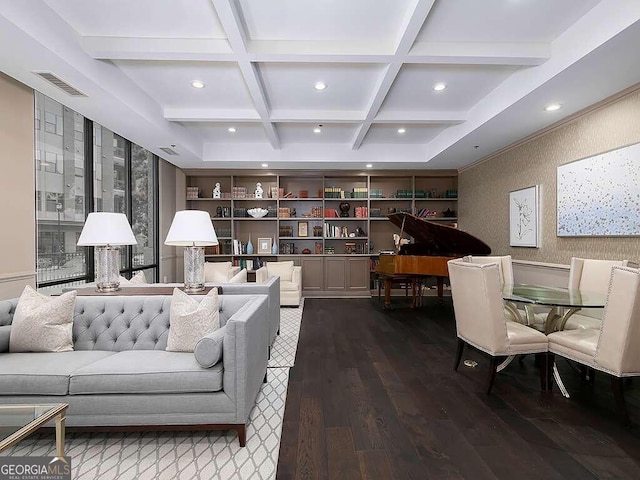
{"x":303,"y":229}
{"x":524,"y":217}
{"x":264,"y":246}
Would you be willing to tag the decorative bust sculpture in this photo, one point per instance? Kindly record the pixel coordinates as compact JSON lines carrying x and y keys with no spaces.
{"x":344,"y":209}
{"x":216,"y":191}
{"x":259,"y":190}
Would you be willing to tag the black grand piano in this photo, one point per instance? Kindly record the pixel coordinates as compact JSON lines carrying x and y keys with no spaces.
{"x":435,"y":244}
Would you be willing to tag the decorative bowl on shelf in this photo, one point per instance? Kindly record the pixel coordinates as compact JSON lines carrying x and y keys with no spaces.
{"x":257,"y":212}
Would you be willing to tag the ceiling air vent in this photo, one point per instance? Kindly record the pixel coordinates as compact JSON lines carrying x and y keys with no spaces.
{"x":61,"y":84}
{"x":168,"y":151}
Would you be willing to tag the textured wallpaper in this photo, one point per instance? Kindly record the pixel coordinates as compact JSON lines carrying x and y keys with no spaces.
{"x":484,"y":189}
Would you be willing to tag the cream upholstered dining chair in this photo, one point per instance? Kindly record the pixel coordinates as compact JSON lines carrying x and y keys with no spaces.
{"x":481,"y":320}
{"x":290,"y":280}
{"x":505,"y":267}
{"x":223,"y":272}
{"x":613,"y":348}
{"x":592,"y":276}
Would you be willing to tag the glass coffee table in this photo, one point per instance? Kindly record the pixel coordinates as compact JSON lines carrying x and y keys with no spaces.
{"x":17,"y":422}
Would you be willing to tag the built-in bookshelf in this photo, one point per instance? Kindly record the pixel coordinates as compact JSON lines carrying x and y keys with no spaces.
{"x":317,"y":215}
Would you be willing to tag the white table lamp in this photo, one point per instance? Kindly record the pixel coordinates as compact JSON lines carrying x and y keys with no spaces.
{"x":107,"y":231}
{"x":193,"y":230}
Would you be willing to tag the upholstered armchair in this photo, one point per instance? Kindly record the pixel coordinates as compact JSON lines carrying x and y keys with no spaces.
{"x":592,"y":276}
{"x":290,"y":280}
{"x":613,"y":348}
{"x":481,"y":320}
{"x":223,"y":272}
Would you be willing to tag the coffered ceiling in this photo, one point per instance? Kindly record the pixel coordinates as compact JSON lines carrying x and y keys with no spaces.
{"x":501,"y":61}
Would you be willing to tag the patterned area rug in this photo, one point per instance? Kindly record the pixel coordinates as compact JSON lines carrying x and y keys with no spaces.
{"x":283,"y":351}
{"x":189,"y":455}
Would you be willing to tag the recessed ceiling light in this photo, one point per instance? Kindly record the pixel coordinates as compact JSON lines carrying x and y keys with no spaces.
{"x":438,"y":87}
{"x":553,"y":107}
{"x":265,"y":165}
{"x":320,"y":86}
{"x":402,"y":130}
{"x":197,"y":84}
{"x":232,"y":129}
{"x":317,"y":130}
{"x":369,"y":165}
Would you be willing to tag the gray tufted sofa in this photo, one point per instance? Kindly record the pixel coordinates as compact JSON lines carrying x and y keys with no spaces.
{"x":270,"y":288}
{"x":119,"y":373}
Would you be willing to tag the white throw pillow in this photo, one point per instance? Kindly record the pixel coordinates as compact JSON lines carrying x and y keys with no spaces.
{"x":217,"y":272}
{"x":139,"y":277}
{"x":283,"y":269}
{"x":190,"y":320}
{"x":42,"y":323}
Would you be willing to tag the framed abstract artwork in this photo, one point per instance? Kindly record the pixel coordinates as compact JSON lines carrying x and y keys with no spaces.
{"x":524,"y":217}
{"x":600,"y":195}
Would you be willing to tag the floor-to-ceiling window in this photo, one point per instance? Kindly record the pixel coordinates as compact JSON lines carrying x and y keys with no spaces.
{"x":60,"y":191}
{"x":82,"y":167}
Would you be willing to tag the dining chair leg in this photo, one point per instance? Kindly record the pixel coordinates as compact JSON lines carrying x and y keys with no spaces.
{"x":617,"y":386}
{"x":458,"y":354}
{"x":541,"y":363}
{"x":495,"y":361}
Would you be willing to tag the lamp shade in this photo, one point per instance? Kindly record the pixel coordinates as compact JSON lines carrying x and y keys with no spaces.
{"x":104,"y":228}
{"x":191,"y":228}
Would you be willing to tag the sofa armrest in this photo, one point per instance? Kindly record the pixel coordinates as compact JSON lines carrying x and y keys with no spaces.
{"x":296,"y":276}
{"x":208,"y":350}
{"x":233,"y":271}
{"x":240,"y":277}
{"x":245,"y":354}
{"x":5,"y":333}
{"x":262,"y":275}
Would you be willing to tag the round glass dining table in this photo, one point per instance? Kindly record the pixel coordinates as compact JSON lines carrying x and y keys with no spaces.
{"x":563,"y":303}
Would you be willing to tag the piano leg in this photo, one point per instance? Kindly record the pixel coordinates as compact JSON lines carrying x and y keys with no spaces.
{"x":387,"y":293}
{"x":440,"y":281}
{"x":414,"y":285}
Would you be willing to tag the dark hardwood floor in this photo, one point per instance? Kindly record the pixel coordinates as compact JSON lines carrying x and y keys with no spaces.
{"x":373,"y":395}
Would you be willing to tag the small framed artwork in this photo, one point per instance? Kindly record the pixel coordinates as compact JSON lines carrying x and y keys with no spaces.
{"x":303,"y":229}
{"x":264,"y":246}
{"x":524,"y":217}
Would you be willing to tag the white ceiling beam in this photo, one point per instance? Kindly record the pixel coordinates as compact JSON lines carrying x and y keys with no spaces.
{"x":233,"y":25}
{"x":412,"y":25}
{"x":210,"y":115}
{"x":470,"y":53}
{"x":219,"y":50}
{"x":317,"y":116}
{"x":136,"y":48}
{"x":421,"y":117}
{"x":320,"y":51}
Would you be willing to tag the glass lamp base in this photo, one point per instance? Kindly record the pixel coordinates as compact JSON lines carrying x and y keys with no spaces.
{"x":107,"y":269}
{"x":193,"y":269}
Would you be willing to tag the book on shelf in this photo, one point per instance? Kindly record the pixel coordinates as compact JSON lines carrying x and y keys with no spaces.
{"x":361,"y":212}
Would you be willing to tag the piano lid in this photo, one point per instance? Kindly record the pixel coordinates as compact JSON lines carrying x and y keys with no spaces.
{"x":432,"y":238}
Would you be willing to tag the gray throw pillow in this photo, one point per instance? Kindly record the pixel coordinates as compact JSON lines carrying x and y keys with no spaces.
{"x":208,"y":350}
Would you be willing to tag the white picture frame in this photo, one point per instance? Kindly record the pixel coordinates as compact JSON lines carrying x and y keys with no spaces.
{"x":524,"y":217}
{"x":264,"y":246}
